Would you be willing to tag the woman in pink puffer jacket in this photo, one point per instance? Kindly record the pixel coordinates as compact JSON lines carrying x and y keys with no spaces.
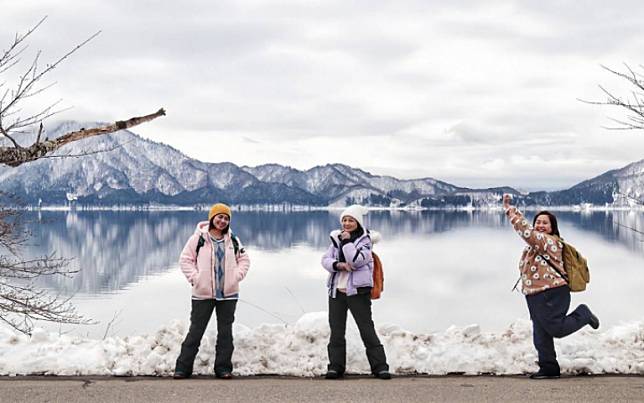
{"x":214,"y":262}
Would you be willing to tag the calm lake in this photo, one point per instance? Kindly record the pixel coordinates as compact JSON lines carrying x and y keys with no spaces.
{"x":441,"y":268}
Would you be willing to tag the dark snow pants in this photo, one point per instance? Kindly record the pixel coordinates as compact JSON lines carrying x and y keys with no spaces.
{"x":548,"y":313}
{"x":199,"y":318}
{"x":360,"y":307}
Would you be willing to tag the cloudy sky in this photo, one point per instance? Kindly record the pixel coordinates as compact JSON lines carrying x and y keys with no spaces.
{"x":476,"y":93}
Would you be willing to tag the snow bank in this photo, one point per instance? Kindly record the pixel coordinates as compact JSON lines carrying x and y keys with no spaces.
{"x":300,"y":350}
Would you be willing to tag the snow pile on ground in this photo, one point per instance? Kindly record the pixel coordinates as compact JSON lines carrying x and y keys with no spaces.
{"x":300,"y":350}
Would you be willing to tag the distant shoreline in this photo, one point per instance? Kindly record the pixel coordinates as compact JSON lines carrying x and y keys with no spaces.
{"x":304,"y":208}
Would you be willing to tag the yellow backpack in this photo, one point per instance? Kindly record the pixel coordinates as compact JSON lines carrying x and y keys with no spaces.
{"x":576,"y":266}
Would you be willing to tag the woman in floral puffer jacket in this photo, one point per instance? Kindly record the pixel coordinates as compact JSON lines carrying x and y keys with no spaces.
{"x":545,"y":287}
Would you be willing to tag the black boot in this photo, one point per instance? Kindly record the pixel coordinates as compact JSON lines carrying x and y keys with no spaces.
{"x":181,"y":375}
{"x":541,"y":374}
{"x":383,"y":375}
{"x":332,"y":374}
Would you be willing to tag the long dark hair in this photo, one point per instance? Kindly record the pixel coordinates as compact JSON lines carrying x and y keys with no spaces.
{"x":553,"y":221}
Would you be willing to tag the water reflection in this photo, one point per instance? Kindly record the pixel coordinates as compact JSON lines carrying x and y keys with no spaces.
{"x":116,"y":249}
{"x":624,"y":227}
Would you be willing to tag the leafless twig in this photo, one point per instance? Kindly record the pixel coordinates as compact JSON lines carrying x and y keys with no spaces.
{"x":89,"y":152}
{"x":263,"y":310}
{"x":27,"y":86}
{"x":21,"y":301}
{"x":633,"y":104}
{"x":111,"y":323}
{"x":295,"y":299}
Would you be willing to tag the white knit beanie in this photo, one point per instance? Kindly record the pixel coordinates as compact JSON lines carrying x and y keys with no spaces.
{"x":357,"y":212}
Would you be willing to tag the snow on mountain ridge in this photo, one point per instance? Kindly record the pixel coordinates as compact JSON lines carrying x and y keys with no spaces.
{"x":143,"y":170}
{"x":132,"y":162}
{"x":337,"y":179}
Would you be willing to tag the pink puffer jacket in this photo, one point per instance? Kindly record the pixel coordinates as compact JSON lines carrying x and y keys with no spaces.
{"x":199,"y":270}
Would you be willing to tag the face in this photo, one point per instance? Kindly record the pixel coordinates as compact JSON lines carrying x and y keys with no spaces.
{"x":221,"y":221}
{"x":349,"y":223}
{"x":542,"y":224}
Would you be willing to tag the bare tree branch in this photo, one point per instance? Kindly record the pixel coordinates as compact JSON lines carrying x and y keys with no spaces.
{"x":111,"y":323}
{"x":633,"y":104}
{"x":14,"y":157}
{"x":31,"y":76}
{"x":21,"y":306}
{"x":630,"y":228}
{"x":22,"y":302}
{"x":27,"y":86}
{"x":10,"y":56}
{"x":39,"y":133}
{"x":89,"y":152}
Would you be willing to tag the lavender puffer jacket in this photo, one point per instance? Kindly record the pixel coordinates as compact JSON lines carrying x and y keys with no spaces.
{"x":358,"y":255}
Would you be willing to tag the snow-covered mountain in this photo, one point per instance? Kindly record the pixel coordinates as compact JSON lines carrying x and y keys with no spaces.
{"x":339,"y":182}
{"x":137,"y":170}
{"x":619,"y":187}
{"x":140,"y":171}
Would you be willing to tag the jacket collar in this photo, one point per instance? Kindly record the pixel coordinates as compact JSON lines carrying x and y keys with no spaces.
{"x":335,"y":236}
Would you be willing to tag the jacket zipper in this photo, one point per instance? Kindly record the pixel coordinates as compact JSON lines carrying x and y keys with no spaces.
{"x":212,"y":267}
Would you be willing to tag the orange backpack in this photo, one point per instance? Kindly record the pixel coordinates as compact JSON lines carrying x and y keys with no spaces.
{"x":378,"y":278}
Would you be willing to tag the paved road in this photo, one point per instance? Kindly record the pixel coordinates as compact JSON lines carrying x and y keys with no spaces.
{"x":358,"y":389}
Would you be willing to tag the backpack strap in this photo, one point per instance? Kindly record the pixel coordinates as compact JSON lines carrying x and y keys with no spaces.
{"x":235,"y":242}
{"x":563,"y":276}
{"x":516,"y":284}
{"x":202,"y":241}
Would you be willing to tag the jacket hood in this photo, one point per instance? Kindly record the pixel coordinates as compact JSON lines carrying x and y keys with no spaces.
{"x":202,"y":228}
{"x":374,"y":235}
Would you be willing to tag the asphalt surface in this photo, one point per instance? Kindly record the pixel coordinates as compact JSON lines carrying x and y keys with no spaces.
{"x":352,"y":389}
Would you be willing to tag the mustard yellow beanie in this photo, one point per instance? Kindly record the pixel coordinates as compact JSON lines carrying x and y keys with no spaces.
{"x":219,"y":208}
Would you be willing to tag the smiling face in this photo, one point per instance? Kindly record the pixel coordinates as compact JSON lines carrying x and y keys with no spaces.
{"x":349,"y":223}
{"x":543,"y":224}
{"x":220,"y":222}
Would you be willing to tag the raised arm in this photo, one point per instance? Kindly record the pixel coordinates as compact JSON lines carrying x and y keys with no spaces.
{"x":358,"y":256}
{"x":523,"y":227}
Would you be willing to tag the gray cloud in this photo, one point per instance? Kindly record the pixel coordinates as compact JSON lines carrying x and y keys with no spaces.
{"x":468,"y":83}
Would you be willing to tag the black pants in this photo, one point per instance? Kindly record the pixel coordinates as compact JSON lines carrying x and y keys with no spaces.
{"x":360,"y":307}
{"x":548,"y":313}
{"x":199,"y":318}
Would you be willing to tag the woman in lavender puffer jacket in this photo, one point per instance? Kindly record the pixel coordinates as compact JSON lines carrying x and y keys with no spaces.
{"x":350,"y":265}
